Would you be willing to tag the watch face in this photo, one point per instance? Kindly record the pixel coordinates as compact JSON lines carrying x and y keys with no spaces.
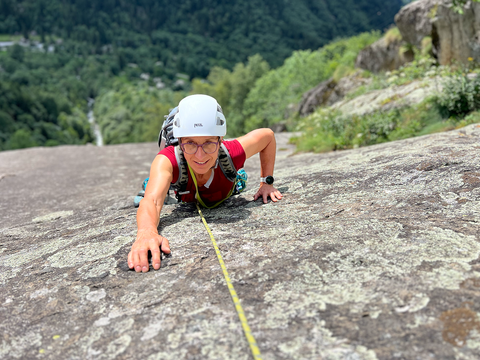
{"x":269,"y":180}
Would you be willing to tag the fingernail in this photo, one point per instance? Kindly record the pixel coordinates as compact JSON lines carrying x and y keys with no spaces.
{"x":144,"y":268}
{"x":138,"y":268}
{"x":157,"y":266}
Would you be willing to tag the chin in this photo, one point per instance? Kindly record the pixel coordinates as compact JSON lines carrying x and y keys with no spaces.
{"x":201,"y":169}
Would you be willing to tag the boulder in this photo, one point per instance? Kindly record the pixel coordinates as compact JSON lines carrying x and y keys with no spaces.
{"x":414,"y":21}
{"x":330,"y":92}
{"x":316,"y":97}
{"x":456,"y":37}
{"x":279,"y":127}
{"x":383,"y":55}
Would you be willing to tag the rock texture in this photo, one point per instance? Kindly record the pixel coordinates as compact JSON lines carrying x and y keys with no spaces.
{"x":373,"y":253}
{"x":383,"y":55}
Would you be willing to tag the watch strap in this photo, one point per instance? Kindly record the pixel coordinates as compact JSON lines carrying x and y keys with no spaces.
{"x":264,"y":179}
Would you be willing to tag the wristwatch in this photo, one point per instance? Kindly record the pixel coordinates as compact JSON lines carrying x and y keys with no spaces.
{"x":267,"y":180}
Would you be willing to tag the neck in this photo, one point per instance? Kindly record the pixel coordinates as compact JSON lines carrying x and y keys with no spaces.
{"x":205,"y":176}
{"x":202,"y":178}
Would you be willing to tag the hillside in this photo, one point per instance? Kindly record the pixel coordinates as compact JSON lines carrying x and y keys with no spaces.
{"x":139,"y":58}
{"x":45,"y":96}
{"x":374,"y":253}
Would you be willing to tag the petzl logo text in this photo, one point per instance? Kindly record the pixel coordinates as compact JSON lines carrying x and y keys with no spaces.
{"x":197,"y":125}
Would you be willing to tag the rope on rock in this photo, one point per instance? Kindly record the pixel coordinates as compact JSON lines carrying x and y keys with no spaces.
{"x":241,"y":314}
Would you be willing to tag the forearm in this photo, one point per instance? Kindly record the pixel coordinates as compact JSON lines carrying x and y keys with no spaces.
{"x":267,"y":156}
{"x":148,"y":215}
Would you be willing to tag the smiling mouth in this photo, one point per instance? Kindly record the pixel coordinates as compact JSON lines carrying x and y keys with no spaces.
{"x":201,"y":163}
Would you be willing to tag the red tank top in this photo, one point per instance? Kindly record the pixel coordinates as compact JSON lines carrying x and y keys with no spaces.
{"x":220,"y":186}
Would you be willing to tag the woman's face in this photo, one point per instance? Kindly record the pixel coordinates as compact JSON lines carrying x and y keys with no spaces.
{"x":200,"y":162}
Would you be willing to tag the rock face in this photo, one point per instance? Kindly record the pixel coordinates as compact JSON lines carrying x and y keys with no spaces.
{"x":373,"y":253}
{"x":414,"y":21}
{"x":383,"y":55}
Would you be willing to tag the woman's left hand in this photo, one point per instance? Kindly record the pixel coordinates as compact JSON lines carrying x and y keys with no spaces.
{"x":266,"y":191}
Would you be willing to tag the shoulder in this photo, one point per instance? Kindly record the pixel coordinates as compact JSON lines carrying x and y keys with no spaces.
{"x":167,"y":160}
{"x":233,"y":146}
{"x":236,"y":151}
{"x":169,"y":151}
{"x":256,"y":140}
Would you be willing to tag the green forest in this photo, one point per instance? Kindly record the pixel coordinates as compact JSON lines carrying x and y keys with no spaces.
{"x":137,"y":59}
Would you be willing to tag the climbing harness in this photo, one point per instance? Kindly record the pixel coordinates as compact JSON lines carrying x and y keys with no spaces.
{"x":241,"y":314}
{"x":238,"y":186}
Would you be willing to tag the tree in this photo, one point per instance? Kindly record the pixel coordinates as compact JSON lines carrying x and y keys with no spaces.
{"x":22,"y":138}
{"x":17,"y":52}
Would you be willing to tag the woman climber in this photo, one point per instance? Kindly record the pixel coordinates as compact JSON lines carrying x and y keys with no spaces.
{"x":199,"y":126}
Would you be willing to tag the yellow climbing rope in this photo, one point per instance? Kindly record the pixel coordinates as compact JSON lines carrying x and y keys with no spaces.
{"x":241,"y":314}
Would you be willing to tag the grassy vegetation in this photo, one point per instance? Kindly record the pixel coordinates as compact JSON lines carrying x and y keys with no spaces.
{"x":328,"y":130}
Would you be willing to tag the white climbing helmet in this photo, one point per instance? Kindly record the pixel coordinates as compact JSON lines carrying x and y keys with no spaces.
{"x":199,"y":115}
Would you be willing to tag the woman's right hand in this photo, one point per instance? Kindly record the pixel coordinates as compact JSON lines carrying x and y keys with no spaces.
{"x":147,"y":240}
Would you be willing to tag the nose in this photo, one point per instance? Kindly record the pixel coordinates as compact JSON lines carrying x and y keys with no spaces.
{"x":200,"y":154}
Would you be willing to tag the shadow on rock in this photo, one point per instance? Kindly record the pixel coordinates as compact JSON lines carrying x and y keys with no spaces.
{"x":232,"y":210}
